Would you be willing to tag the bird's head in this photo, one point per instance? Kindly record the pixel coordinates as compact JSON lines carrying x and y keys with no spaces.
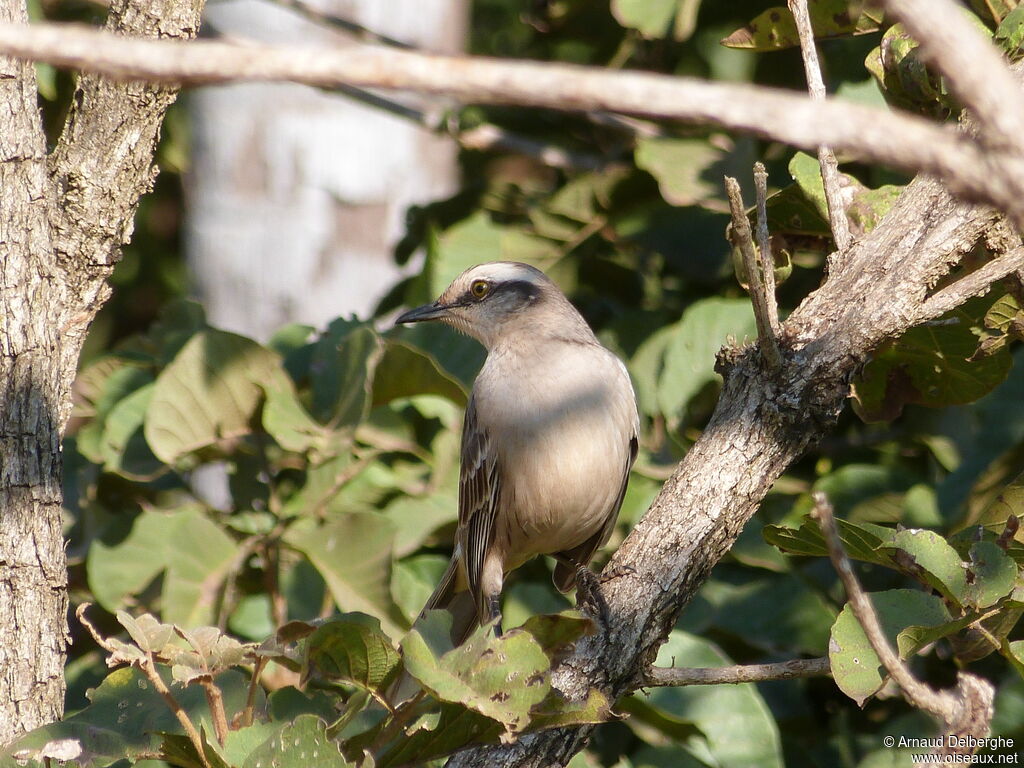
{"x":488,"y":300}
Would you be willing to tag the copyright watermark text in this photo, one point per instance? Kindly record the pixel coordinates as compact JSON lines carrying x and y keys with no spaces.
{"x":953,"y":742}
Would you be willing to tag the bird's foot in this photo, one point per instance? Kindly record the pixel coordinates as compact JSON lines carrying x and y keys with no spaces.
{"x":589,"y":597}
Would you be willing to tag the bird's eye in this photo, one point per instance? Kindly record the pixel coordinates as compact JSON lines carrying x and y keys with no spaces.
{"x":480,"y":288}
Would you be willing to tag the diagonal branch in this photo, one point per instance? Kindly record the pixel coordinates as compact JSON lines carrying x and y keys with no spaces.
{"x":901,"y":141}
{"x":826,"y":157}
{"x":973,"y":284}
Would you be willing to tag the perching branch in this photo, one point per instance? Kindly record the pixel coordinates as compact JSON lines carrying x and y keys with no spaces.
{"x":968,"y":710}
{"x":743,"y":673}
{"x":743,"y":240}
{"x":826,"y":157}
{"x":897,"y":140}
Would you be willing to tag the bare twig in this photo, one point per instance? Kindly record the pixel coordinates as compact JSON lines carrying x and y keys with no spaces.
{"x":764,"y":244}
{"x":971,"y":66}
{"x":742,"y":673}
{"x":973,"y":284}
{"x":941,"y":704}
{"x":826,"y":157}
{"x":755,"y":286}
{"x":898,"y":140}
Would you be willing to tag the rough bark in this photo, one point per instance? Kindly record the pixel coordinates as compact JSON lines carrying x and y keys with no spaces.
{"x":64,"y":220}
{"x":762,"y":424}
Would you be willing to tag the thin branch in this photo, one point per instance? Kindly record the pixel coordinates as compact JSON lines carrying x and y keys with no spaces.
{"x":741,"y":673}
{"x":764,"y":245}
{"x":973,"y":68}
{"x":898,"y":140}
{"x":938,"y":703}
{"x":755,"y":286}
{"x":973,"y":284}
{"x":826,"y":157}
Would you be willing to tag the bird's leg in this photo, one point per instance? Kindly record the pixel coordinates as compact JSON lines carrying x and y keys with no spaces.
{"x":494,"y":611}
{"x":588,"y":590}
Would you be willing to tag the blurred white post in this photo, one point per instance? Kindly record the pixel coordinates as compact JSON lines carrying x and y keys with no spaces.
{"x":296,"y":197}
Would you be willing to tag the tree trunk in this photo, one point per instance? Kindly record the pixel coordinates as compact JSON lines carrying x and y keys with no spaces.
{"x":64,"y":219}
{"x":297,"y":196}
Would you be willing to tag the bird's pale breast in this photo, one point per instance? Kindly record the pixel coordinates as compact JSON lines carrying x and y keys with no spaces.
{"x":565,"y":423}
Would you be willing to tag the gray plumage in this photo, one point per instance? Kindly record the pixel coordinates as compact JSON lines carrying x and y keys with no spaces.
{"x":549,"y":437}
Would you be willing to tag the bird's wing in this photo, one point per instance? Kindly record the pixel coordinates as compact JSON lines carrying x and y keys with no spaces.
{"x":479,"y":492}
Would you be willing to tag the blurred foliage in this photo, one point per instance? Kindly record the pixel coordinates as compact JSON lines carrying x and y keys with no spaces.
{"x":285,"y":509}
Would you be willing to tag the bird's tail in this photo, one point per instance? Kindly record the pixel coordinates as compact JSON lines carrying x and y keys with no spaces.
{"x":462,"y":607}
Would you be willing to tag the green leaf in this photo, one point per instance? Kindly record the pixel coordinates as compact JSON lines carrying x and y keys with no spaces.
{"x":903,"y":77}
{"x":128,"y":555}
{"x":855,"y":665}
{"x":740,"y":729}
{"x":862,"y":541}
{"x":342,"y":367}
{"x":690,"y":354}
{"x":499,"y":677}
{"x":991,"y":574}
{"x":775,"y":29}
{"x":201,"y":556}
{"x":688,"y":170}
{"x":208,"y":393}
{"x":300,"y":744}
{"x":438,"y":736}
{"x":405,"y":371}
{"x":554,"y":632}
{"x":286,"y":420}
{"x":351,"y":649}
{"x":123,"y":446}
{"x":651,"y":18}
{"x":931,"y":366}
{"x":1010,"y":33}
{"x":353,"y":554}
{"x":929,"y":557}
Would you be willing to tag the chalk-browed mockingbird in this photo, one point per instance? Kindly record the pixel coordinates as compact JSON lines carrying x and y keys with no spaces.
{"x":548,"y":441}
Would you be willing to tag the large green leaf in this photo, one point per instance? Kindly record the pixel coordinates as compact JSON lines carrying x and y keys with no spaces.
{"x":201,"y":556}
{"x":929,"y":557}
{"x":352,"y":649}
{"x":862,"y":541}
{"x":302,"y":743}
{"x":499,"y":677}
{"x":353,"y":554}
{"x":208,"y":393}
{"x":690,"y":354}
{"x":405,"y":370}
{"x":688,"y":171}
{"x":854,"y":663}
{"x":929,"y":365}
{"x":737,"y":724}
{"x":342,"y":369}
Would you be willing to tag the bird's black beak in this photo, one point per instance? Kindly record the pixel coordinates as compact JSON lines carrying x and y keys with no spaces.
{"x":435,"y":311}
